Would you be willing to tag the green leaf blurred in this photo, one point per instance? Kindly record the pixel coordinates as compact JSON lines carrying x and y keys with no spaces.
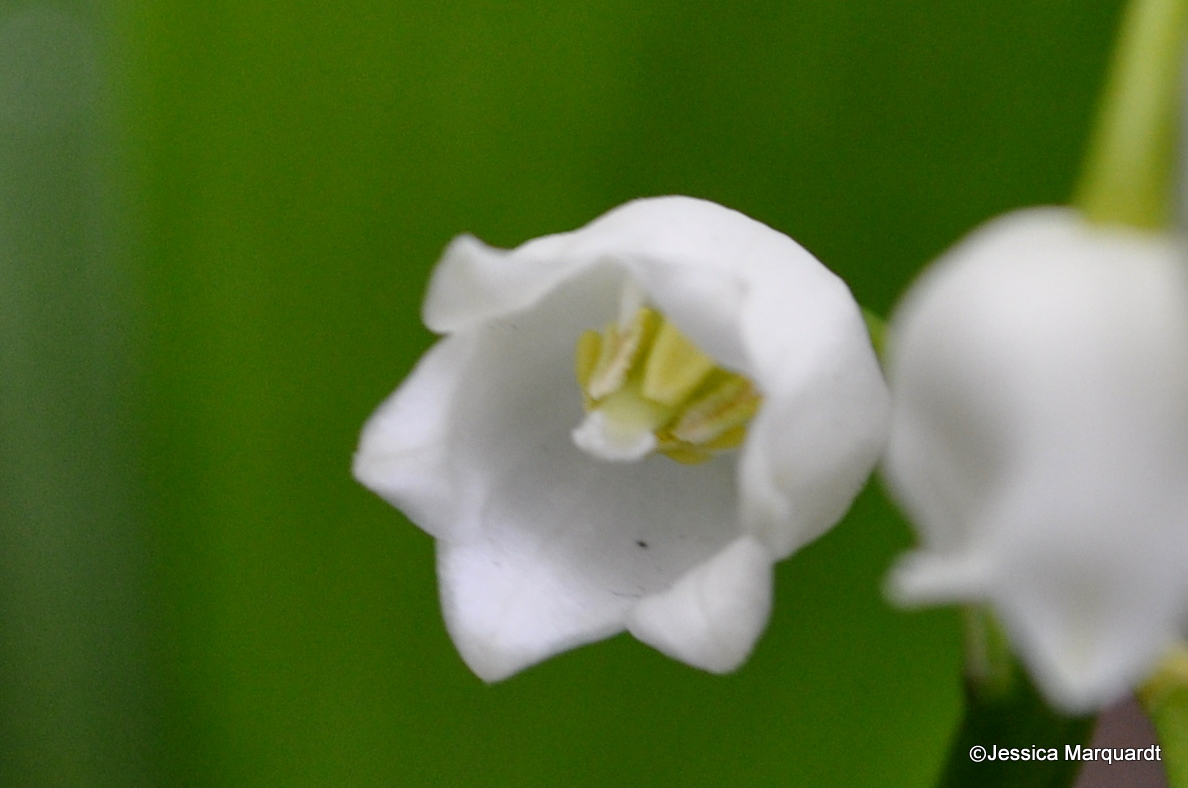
{"x":278,"y":179}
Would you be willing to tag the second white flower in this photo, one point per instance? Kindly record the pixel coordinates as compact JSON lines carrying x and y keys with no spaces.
{"x":1040,"y":443}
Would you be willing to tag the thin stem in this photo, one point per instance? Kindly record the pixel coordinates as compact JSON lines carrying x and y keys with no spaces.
{"x":1165,"y":698}
{"x":1127,"y":175}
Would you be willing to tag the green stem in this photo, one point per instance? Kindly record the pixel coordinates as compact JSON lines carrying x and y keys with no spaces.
{"x":1127,"y":175}
{"x":1165,"y":698}
{"x":1004,"y":711}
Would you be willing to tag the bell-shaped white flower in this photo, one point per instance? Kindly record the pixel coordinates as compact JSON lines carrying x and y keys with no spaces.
{"x":624,"y":427}
{"x":1039,"y":442}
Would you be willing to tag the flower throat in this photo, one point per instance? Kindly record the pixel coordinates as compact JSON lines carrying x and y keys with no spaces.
{"x":647,"y":388}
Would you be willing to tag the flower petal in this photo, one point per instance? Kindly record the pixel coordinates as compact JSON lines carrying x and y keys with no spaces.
{"x":474,"y":282}
{"x":1092,"y":625}
{"x":404,"y":451}
{"x":824,"y":422}
{"x":507,"y":607}
{"x":714,"y":614}
{"x":694,"y":259}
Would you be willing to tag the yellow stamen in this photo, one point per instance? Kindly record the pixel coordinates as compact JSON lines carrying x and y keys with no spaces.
{"x":619,"y":351}
{"x":675,"y":367}
{"x":727,"y":403}
{"x":645,"y":377}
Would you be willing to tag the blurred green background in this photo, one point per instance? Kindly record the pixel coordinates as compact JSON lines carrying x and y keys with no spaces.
{"x":217,"y":220}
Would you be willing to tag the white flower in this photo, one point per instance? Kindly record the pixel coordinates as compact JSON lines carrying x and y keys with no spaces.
{"x":1039,"y":440}
{"x":531,"y":445}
